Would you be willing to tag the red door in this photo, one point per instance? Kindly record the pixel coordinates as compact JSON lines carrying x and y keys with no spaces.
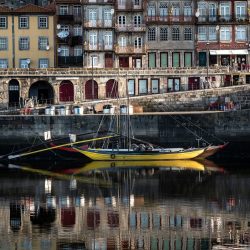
{"x":93,"y":218}
{"x":68,"y":217}
{"x":193,"y":83}
{"x":89,"y":87}
{"x":111,"y":89}
{"x":66,"y":91}
{"x":108,"y":60}
{"x":123,"y":62}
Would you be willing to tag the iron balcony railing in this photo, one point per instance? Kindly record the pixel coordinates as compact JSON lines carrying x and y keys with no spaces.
{"x":130,"y":28}
{"x":69,"y":61}
{"x":170,"y":19}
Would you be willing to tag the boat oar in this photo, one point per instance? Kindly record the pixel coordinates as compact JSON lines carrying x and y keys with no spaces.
{"x":59,"y":146}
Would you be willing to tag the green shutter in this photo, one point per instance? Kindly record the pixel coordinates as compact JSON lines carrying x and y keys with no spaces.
{"x":164,"y":60}
{"x":176,"y":59}
{"x":152,"y":63}
{"x":188,"y":59}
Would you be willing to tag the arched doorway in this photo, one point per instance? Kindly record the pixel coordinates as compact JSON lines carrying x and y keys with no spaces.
{"x":91,"y":89}
{"x":42,"y":91}
{"x":66,"y":91}
{"x":14,"y":93}
{"x":111,"y":89}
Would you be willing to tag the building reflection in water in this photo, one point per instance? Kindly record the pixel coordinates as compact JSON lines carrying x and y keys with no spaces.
{"x":124,"y":208}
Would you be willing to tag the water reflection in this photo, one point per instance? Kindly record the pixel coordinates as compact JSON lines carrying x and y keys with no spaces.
{"x":124,"y":205}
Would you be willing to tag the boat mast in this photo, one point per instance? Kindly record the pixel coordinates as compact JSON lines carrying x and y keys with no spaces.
{"x":128,"y":115}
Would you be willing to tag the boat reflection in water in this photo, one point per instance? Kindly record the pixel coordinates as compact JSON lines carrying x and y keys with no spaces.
{"x":124,"y":205}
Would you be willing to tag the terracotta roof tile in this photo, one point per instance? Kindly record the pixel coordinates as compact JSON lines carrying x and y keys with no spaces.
{"x":31,"y":8}
{"x":4,"y":9}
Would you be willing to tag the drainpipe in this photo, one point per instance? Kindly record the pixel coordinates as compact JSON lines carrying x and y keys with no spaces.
{"x":13,"y":42}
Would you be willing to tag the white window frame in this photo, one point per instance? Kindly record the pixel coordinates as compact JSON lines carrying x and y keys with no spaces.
{"x":240,"y":10}
{"x":188,"y":34}
{"x":163,"y":33}
{"x":43,"y":22}
{"x":202,"y":33}
{"x":64,"y":51}
{"x":163,"y":9}
{"x":78,"y":50}
{"x":152,"y":34}
{"x":241,"y":33}
{"x":93,"y":40}
{"x":3,"y":43}
{"x":122,"y":21}
{"x":151,"y":10}
{"x":43,"y":42}
{"x":187,"y":9}
{"x":3,"y":63}
{"x":137,"y":21}
{"x":24,"y":43}
{"x":3,"y":22}
{"x":212,"y":33}
{"x":225,"y":10}
{"x":23,"y":22}
{"x":77,"y":10}
{"x":24,"y":63}
{"x":138,"y":42}
{"x":43,"y":63}
{"x":175,"y":33}
{"x":225,"y":33}
{"x":122,"y":41}
{"x":63,"y":10}
{"x":77,"y":29}
{"x":93,"y":17}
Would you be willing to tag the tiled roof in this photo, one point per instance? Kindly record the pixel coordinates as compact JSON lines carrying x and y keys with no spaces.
{"x":4,"y":9}
{"x":31,"y":8}
{"x":68,"y":1}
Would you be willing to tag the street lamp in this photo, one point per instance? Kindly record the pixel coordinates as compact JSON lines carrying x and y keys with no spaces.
{"x":92,"y":83}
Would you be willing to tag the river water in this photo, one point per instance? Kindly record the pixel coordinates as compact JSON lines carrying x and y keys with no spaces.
{"x":127,"y":205}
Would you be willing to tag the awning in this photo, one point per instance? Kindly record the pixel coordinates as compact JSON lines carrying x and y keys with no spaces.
{"x":229,"y":52}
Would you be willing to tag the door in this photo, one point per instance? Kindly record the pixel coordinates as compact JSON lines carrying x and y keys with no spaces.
{"x":193,"y":83}
{"x":91,"y":90}
{"x":111,"y":89}
{"x":123,"y":62}
{"x":13,"y":93}
{"x":66,"y":91}
{"x":108,"y":60}
{"x":202,"y":59}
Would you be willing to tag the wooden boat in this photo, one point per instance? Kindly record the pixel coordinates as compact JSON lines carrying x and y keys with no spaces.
{"x":211,"y":150}
{"x":130,"y":155}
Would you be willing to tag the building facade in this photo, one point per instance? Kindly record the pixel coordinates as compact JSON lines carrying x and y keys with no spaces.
{"x":27,"y":37}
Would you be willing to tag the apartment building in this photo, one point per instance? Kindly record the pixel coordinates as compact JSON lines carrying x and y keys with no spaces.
{"x":99,"y":33}
{"x":27,"y":37}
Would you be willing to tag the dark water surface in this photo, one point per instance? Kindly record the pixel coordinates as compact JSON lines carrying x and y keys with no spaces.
{"x":127,"y":205}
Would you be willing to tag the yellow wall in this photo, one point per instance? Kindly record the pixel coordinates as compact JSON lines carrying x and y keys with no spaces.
{"x":7,"y":54}
{"x":34,"y":54}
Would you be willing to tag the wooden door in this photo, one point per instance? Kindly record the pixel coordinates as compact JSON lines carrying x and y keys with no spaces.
{"x":66,"y":90}
{"x":108,"y":60}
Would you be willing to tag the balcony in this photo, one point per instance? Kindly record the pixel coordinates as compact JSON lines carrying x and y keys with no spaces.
{"x":99,"y":1}
{"x":70,"y":61}
{"x":130,"y":50}
{"x":78,"y":19}
{"x":76,"y":40}
{"x":129,"y":7}
{"x":65,"y":19}
{"x":99,"y":24}
{"x":243,"y":19}
{"x":170,"y":19}
{"x":98,"y":47}
{"x":130,"y":28}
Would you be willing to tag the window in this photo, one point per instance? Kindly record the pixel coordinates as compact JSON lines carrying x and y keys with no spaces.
{"x":43,"y":42}
{"x":163,"y":34}
{"x":240,"y":10}
{"x":78,"y":51}
{"x":77,"y":30}
{"x":155,"y":86}
{"x":23,"y":22}
{"x":42,"y":22}
{"x":136,"y":2}
{"x":24,"y":43}
{"x":131,"y":87}
{"x":187,"y":59}
{"x":212,"y":33}
{"x":225,"y":11}
{"x":94,"y":60}
{"x":137,"y":21}
{"x":176,"y":10}
{"x":24,"y":63}
{"x":43,"y":63}
{"x":3,"y":43}
{"x":164,"y":60}
{"x":163,"y":9}
{"x":138,"y":42}
{"x":187,"y":9}
{"x":77,"y":10}
{"x":151,"y":10}
{"x":93,"y":16}
{"x":202,"y":33}
{"x":93,"y":40}
{"x":64,"y":51}
{"x":176,"y":59}
{"x":64,"y":28}
{"x":202,"y":8}
{"x":212,"y":9}
{"x":152,"y":60}
{"x":143,"y":86}
{"x":3,"y":22}
{"x":122,"y":41}
{"x":3,"y":63}
{"x":122,"y":20}
{"x":107,"y":14}
{"x":241,"y":33}
{"x":175,"y":34}
{"x":63,"y":10}
{"x":188,"y":34}
{"x":151,"y":34}
{"x":108,"y":40}
{"x":225,"y":34}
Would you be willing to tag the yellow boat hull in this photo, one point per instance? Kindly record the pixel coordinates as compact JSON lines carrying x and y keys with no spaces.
{"x":96,"y":155}
{"x":181,"y":164}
